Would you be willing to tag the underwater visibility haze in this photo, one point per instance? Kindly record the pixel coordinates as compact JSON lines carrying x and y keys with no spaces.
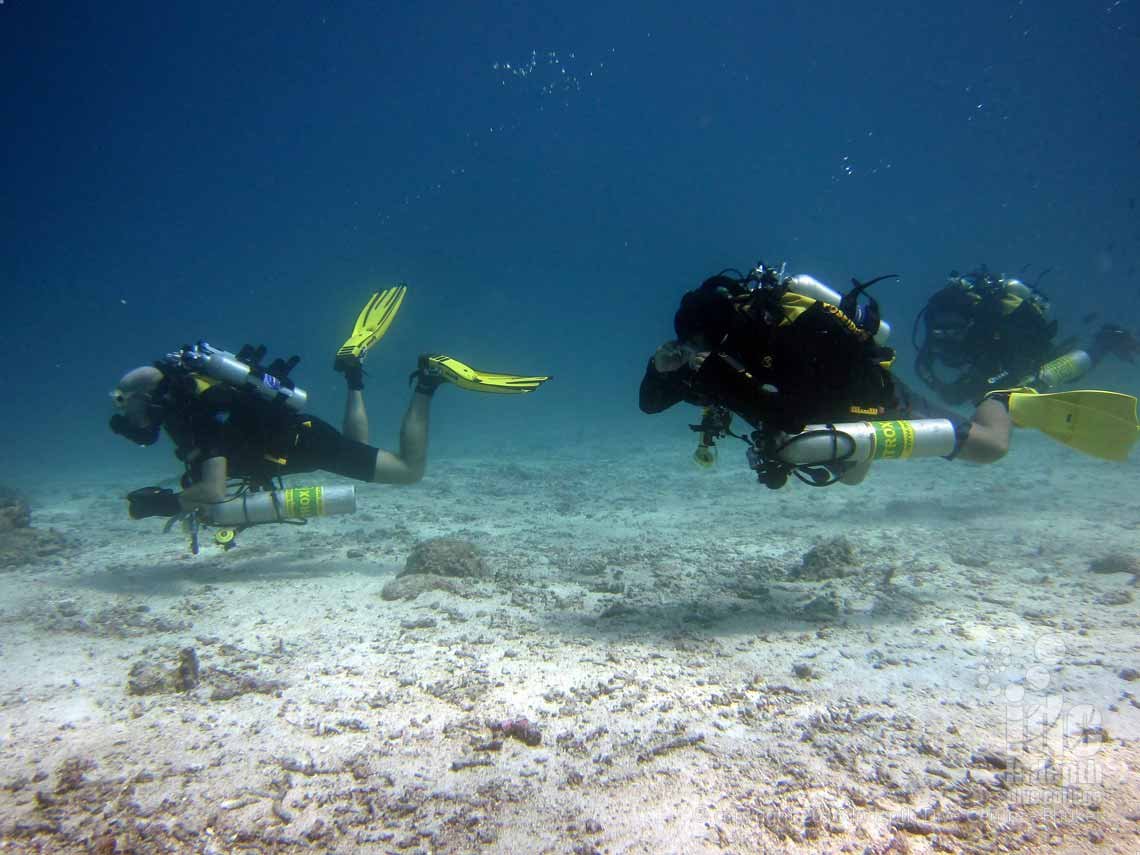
{"x":560,"y":634}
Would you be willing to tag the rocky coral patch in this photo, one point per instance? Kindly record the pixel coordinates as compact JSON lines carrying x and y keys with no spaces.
{"x":445,"y":556}
{"x":20,"y":543}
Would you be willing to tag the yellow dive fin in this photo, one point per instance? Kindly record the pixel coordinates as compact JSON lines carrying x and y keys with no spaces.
{"x":1101,"y":424}
{"x":449,"y":370}
{"x":371,"y":324}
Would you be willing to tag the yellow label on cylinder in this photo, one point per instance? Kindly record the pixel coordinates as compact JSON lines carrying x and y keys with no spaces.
{"x":893,"y":440}
{"x":302,"y":502}
{"x":1060,"y":370}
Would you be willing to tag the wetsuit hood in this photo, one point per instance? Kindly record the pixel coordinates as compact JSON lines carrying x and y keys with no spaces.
{"x":709,"y":312}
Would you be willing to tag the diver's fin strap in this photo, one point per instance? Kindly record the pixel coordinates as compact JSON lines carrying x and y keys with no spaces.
{"x":1002,"y":395}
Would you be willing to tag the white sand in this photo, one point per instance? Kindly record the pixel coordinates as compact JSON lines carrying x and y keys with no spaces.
{"x":642,"y":614}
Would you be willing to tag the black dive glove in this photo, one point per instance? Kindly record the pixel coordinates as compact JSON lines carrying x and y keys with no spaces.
{"x":153,"y":502}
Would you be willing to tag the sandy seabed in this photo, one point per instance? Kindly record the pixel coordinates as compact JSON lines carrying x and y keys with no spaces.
{"x":925,"y":663}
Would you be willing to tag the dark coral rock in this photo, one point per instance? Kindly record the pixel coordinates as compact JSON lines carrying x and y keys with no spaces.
{"x":14,"y":510}
{"x":832,"y":559}
{"x":1114,"y":598}
{"x":228,"y":684}
{"x":152,"y":678}
{"x":410,"y":587}
{"x":522,"y":729}
{"x":186,"y":675}
{"x":22,"y":546}
{"x":1115,"y":562}
{"x":824,"y":607}
{"x":445,"y":556}
{"x":803,"y":671}
{"x":147,"y":678}
{"x":71,"y":774}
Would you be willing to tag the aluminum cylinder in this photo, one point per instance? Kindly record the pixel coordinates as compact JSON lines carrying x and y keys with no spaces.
{"x":294,"y":503}
{"x":859,"y":442}
{"x":809,"y":286}
{"x":1064,"y":369}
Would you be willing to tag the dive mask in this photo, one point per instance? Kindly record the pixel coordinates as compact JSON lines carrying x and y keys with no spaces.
{"x":946,"y":335}
{"x":139,"y":418}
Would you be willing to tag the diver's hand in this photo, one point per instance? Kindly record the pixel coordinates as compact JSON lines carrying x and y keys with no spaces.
{"x":1119,"y":342}
{"x":153,"y":502}
{"x":670,"y":357}
{"x":674,"y":355}
{"x":209,"y":489}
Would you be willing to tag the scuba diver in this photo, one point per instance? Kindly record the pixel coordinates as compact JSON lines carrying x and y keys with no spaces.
{"x":983,"y":332}
{"x":231,"y":418}
{"x":809,"y":372}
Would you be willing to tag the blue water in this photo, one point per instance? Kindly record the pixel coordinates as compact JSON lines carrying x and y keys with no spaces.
{"x":548,"y":179}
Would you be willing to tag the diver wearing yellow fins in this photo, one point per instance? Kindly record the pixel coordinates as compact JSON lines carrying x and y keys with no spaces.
{"x":809,"y":371}
{"x":984,"y":331}
{"x":230,"y":417}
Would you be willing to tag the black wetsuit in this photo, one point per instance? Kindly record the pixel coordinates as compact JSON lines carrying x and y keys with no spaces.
{"x":997,"y":350}
{"x":260,"y":439}
{"x":816,"y":369}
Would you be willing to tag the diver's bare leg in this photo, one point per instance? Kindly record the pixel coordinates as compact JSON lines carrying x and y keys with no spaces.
{"x":409,"y":465}
{"x":355,"y":416}
{"x":988,"y":440}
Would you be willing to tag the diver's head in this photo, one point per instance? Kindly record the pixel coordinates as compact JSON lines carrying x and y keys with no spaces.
{"x":138,"y":414}
{"x":950,"y":318}
{"x":708,"y":314}
{"x":947,"y":334}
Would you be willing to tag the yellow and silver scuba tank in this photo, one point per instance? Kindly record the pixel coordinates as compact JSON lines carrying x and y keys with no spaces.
{"x":203,"y":358}
{"x":294,"y":503}
{"x":1017,"y":288}
{"x":809,"y":286}
{"x":821,"y":453}
{"x":858,"y":442}
{"x":1064,"y":369}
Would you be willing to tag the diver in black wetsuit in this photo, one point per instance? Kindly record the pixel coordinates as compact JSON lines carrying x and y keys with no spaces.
{"x":761,"y":347}
{"x":984,"y":332}
{"x":226,"y":430}
{"x":231,"y":417}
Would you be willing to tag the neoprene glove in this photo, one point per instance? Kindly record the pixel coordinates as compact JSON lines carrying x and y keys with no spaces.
{"x":153,"y":502}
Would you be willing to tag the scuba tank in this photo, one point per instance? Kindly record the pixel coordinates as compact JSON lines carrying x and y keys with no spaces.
{"x":820,"y":453}
{"x":271,"y":385}
{"x":858,"y":442}
{"x":1063,"y":369}
{"x":809,"y":286}
{"x":295,"y":503}
{"x":1018,"y":288}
